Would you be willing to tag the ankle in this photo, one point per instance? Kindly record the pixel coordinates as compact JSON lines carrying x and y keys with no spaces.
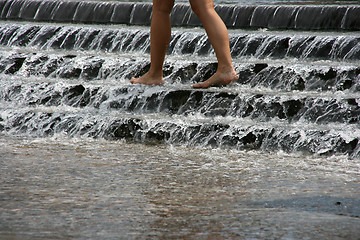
{"x":226,"y":69}
{"x":154,"y":74}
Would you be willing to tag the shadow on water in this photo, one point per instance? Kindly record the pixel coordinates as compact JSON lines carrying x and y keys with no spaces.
{"x":327,"y":204}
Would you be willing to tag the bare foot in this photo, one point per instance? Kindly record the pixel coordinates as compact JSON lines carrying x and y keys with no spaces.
{"x":218,"y":79}
{"x":147,"y":80}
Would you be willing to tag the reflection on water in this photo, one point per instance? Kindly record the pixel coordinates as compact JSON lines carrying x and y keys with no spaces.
{"x":96,"y":189}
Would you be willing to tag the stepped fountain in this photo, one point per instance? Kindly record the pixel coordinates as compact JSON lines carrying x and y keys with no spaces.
{"x":298,"y":89}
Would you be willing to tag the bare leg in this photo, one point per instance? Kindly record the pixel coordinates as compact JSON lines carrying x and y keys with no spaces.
{"x":219,"y":39}
{"x":160,"y":35}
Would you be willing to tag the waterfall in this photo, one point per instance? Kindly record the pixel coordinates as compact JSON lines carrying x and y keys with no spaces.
{"x":260,"y":45}
{"x":65,"y":66}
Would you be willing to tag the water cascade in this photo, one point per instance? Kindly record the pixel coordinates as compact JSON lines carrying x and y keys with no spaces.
{"x":65,"y":66}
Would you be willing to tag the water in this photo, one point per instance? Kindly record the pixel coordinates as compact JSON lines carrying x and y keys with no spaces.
{"x":256,"y":2}
{"x":79,"y":188}
{"x":86,"y":155}
{"x":78,"y":84}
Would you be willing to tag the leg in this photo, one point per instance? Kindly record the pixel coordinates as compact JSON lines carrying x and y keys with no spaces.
{"x":160,"y":35}
{"x":219,"y":39}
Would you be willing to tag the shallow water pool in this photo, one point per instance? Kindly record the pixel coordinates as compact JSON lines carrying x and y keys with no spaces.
{"x":79,"y":188}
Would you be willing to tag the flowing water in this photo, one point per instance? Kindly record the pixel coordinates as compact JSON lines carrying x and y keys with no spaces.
{"x":86,"y":155}
{"x":246,"y":2}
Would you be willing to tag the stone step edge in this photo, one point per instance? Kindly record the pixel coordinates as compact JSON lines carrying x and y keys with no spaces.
{"x":235,"y":16}
{"x":254,"y":137}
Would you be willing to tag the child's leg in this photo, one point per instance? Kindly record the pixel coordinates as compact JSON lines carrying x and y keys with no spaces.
{"x":219,"y":38}
{"x":160,"y":36}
